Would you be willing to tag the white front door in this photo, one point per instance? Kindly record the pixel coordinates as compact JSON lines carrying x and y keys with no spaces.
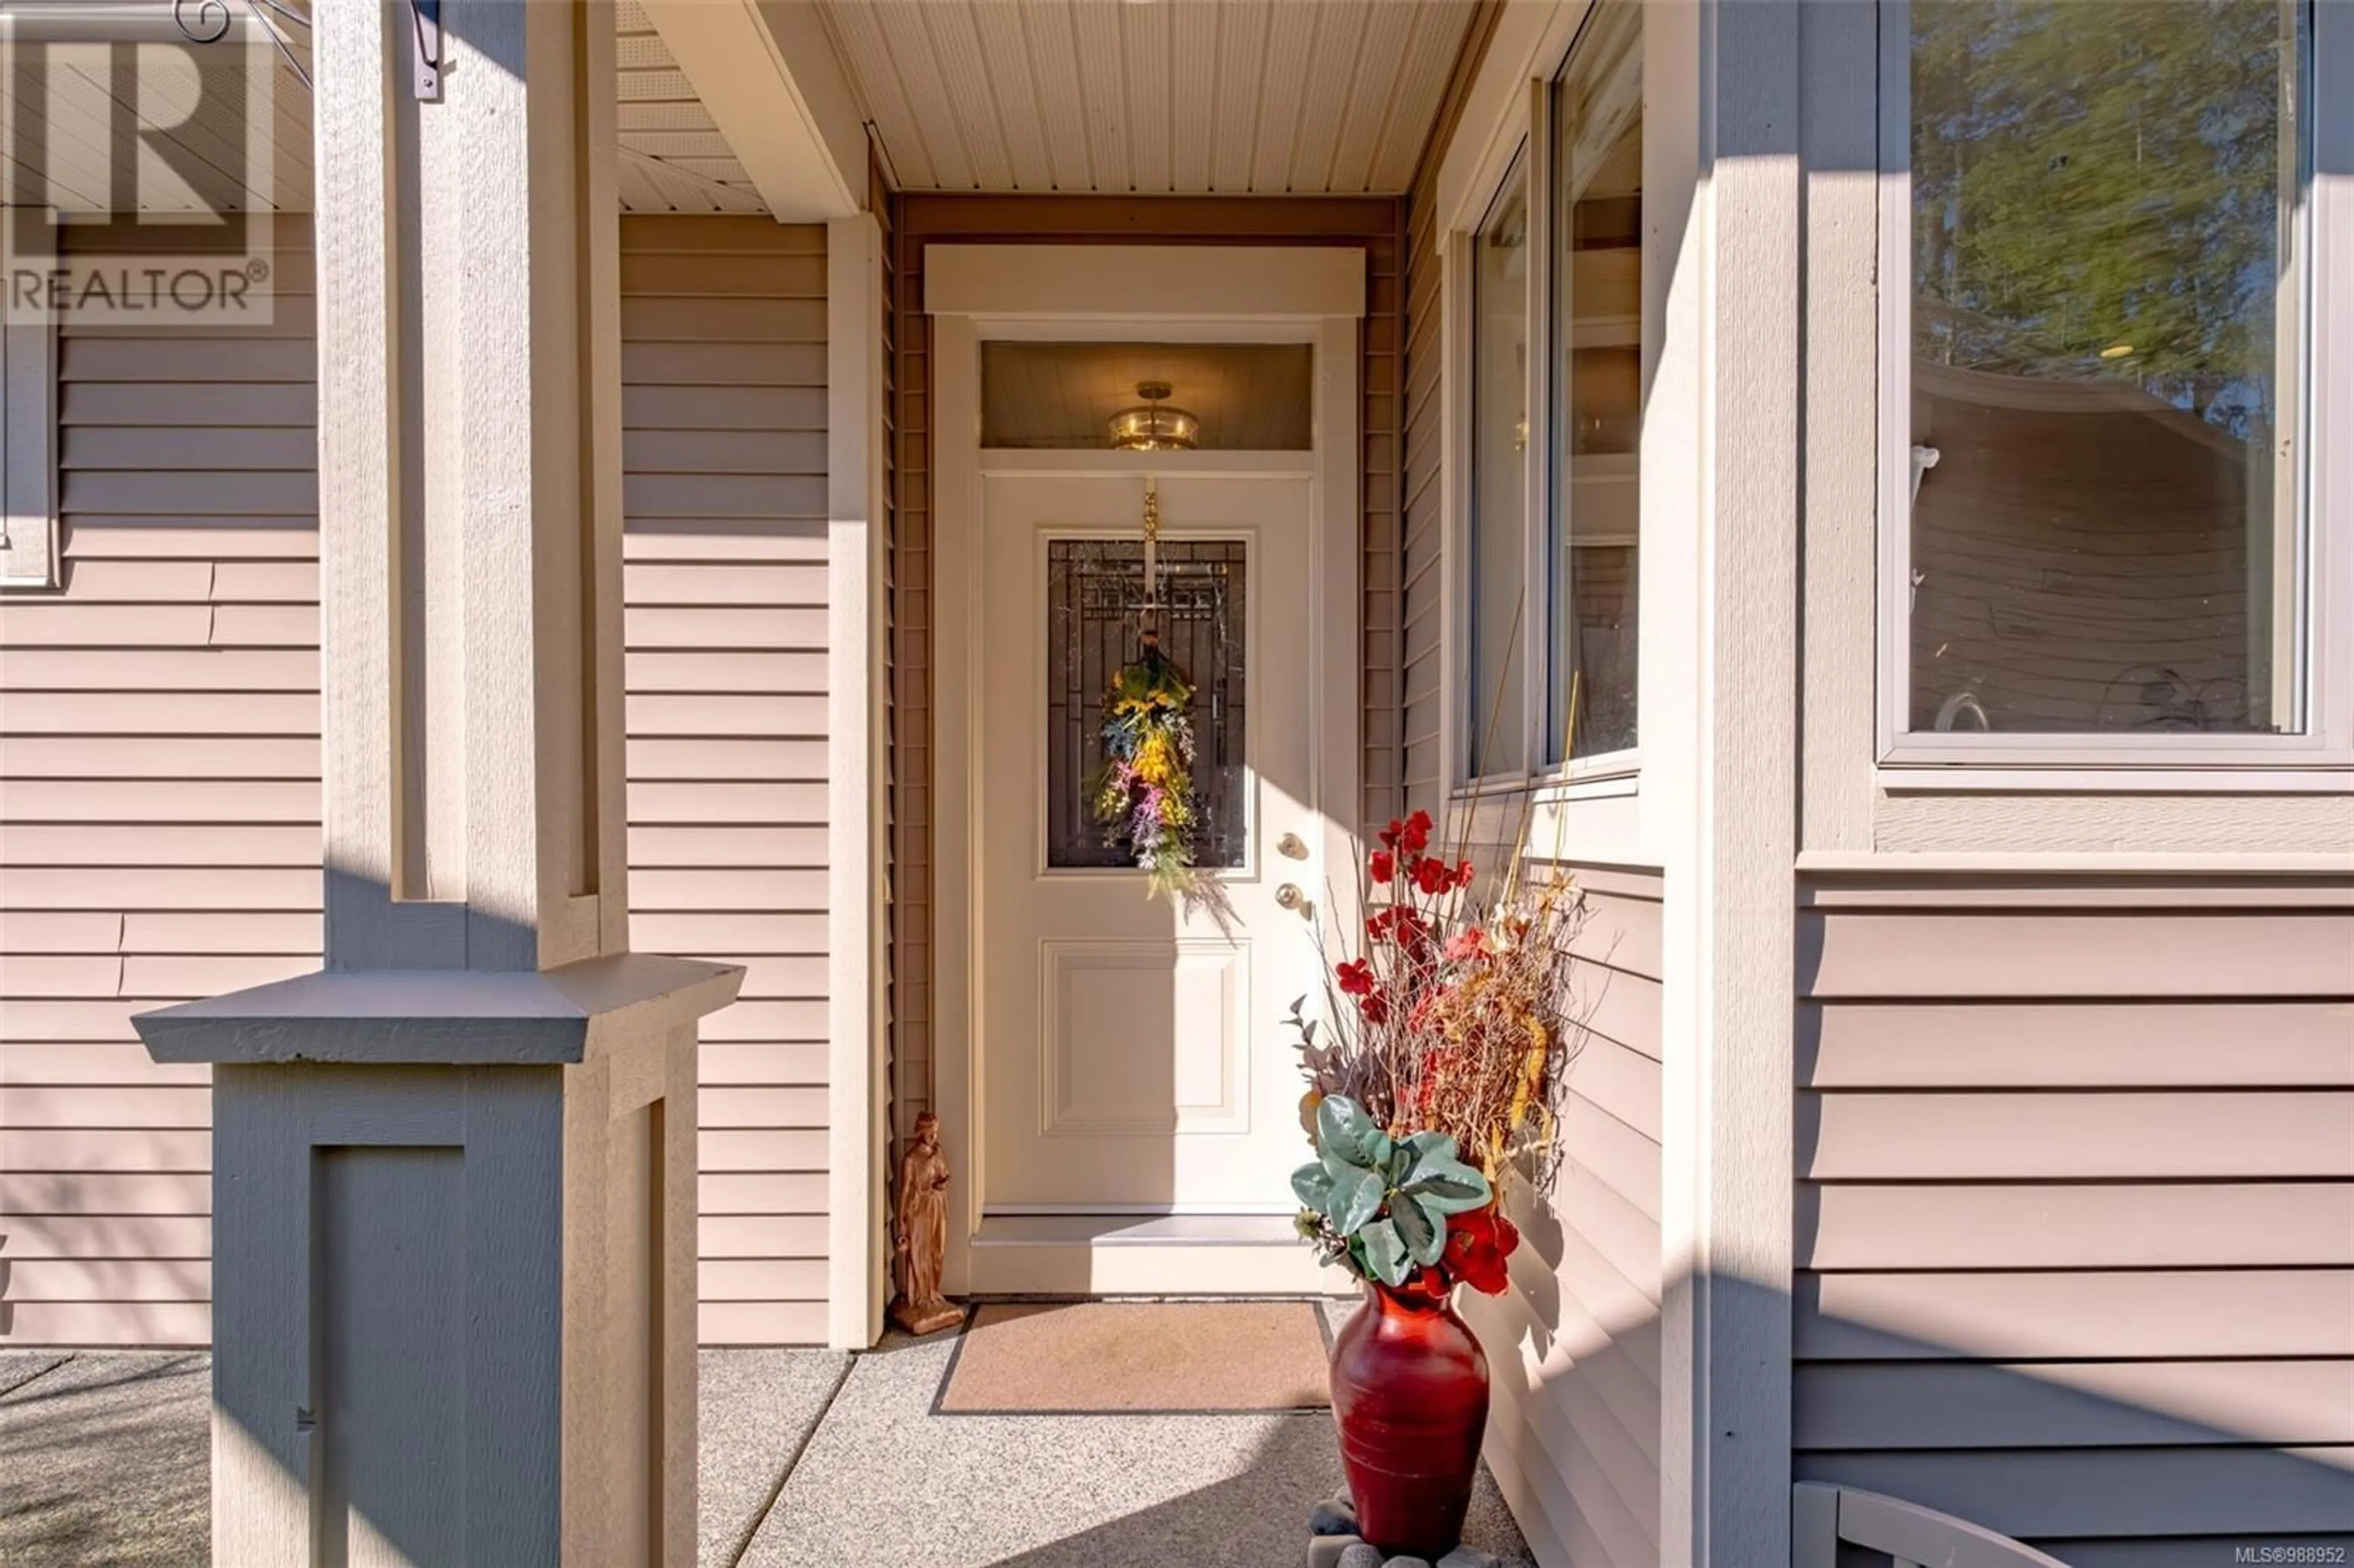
{"x":1132,"y":1057}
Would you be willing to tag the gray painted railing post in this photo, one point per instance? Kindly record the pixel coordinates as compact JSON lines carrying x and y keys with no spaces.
{"x":453,"y":1172}
{"x":1823,"y":1518}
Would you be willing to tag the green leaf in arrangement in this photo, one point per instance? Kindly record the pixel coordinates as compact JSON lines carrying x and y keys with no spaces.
{"x":1423,"y":1232}
{"x":1429,"y":1147}
{"x":1313,"y":1185}
{"x":1386,"y":1258}
{"x":1356,"y":1199}
{"x":1449,"y":1186}
{"x":1401,"y":1164}
{"x":1342,"y":1127}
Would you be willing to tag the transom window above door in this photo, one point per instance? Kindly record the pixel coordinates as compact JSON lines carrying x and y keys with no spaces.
{"x":1209,"y":397}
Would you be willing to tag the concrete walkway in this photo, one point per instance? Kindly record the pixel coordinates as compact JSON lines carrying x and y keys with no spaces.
{"x":808,"y":1458}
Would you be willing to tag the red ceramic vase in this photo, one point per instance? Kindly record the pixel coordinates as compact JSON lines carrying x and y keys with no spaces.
{"x":1410,"y":1397}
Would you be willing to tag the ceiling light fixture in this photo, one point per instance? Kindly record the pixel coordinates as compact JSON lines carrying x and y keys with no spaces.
{"x":1153,"y":426}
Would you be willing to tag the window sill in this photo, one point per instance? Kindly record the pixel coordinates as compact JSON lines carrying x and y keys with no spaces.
{"x":1600,"y":778}
{"x":1979,"y":778}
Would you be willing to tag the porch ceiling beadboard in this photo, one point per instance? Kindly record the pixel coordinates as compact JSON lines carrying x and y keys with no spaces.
{"x":2075,"y":1206}
{"x":159,"y":767}
{"x":1292,"y":97}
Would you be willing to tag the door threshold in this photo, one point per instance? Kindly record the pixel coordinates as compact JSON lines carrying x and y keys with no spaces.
{"x":1087,"y":1254}
{"x":1138,"y":1230}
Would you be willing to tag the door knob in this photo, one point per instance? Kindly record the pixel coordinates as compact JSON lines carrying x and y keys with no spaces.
{"x":1288,"y":895}
{"x":1290,"y":847}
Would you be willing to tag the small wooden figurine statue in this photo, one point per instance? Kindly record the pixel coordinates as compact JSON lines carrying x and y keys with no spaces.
{"x":923,"y":1238}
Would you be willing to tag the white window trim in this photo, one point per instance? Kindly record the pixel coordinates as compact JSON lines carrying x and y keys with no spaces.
{"x":1463,"y":306}
{"x":1471,"y":181}
{"x":2314,"y":760}
{"x":29,"y":546}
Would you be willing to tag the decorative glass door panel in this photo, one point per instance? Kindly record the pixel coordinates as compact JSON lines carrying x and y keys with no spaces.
{"x":1094,"y":600}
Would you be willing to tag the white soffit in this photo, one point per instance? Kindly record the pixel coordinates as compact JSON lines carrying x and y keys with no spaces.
{"x":673,"y":157}
{"x":1305,"y":97}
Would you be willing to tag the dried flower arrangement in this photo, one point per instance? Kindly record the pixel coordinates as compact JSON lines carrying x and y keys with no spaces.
{"x":1436,"y":1083}
{"x":1144,"y":795}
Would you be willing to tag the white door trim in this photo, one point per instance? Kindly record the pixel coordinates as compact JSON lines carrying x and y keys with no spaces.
{"x":857,"y":766}
{"x":1125,"y":285}
{"x":1312,"y":295}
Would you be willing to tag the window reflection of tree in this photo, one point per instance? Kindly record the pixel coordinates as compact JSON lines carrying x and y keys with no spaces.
{"x":2098,"y":304}
{"x":2087,"y":177}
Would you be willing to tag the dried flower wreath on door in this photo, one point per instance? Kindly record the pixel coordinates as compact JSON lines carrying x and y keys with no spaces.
{"x":1144,"y":795}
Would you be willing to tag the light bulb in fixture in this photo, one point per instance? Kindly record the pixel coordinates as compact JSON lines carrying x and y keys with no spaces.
{"x":1153,"y":426}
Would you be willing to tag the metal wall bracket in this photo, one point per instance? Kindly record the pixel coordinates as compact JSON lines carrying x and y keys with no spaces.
{"x":426,"y":14}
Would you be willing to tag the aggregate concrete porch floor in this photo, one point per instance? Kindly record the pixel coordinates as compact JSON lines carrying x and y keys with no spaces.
{"x":808,"y":1458}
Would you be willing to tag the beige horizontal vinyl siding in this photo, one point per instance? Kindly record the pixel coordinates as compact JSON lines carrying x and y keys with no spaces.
{"x":723,"y":408}
{"x":1574,"y":1348}
{"x":1381,"y":438}
{"x":159,"y":770}
{"x":1424,"y":772}
{"x":2075,"y":1211}
{"x":159,"y":800}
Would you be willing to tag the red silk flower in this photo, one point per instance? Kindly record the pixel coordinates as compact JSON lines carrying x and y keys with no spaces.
{"x":1356,"y":977}
{"x":1478,"y":1242}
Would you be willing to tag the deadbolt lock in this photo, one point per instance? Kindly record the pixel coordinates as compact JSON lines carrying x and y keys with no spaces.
{"x":1290,"y":847}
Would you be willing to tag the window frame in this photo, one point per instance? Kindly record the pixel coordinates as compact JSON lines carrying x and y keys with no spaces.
{"x":1527,"y":139}
{"x":1551,"y":527}
{"x":2321,"y":230}
{"x":1523,"y":162}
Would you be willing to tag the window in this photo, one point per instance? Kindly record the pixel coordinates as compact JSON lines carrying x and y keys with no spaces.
{"x":1597,"y":348}
{"x":1095,"y":593}
{"x":1497,"y":733}
{"x":1214,"y":397}
{"x":1556,"y":400}
{"x":2100,"y":531}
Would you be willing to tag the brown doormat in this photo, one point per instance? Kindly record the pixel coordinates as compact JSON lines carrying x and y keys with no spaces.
{"x":1099,"y":1358}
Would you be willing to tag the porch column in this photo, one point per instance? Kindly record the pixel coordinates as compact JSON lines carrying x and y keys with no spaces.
{"x":454,"y":1188}
{"x":1721,"y":163}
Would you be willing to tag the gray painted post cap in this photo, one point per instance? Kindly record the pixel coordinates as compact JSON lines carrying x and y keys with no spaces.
{"x":446,"y":1017}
